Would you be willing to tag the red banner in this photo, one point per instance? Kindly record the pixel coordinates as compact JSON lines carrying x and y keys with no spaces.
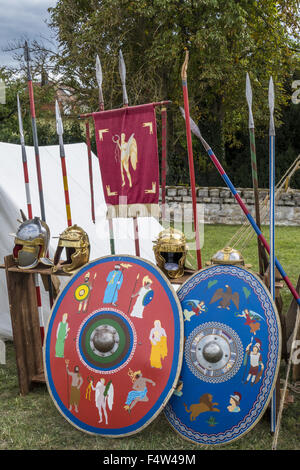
{"x":128,"y":157}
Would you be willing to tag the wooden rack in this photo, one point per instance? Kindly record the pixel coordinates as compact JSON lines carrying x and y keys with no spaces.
{"x":25,"y":322}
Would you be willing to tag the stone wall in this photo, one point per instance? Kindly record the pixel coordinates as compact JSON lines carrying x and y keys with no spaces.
{"x":220,"y":207}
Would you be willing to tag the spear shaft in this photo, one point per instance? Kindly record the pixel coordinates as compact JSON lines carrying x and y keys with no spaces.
{"x":59,"y":129}
{"x":272,"y":188}
{"x":190,"y":157}
{"x":29,"y":212}
{"x":122,"y":71}
{"x":163,"y":159}
{"x":101,"y":108}
{"x":89,"y":152}
{"x":272,"y":224}
{"x":34,"y":132}
{"x":261,"y":253}
{"x":24,"y":161}
{"x":36,"y":150}
{"x":239,"y":200}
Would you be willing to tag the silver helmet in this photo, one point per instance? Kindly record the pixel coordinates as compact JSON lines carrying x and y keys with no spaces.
{"x":31,"y":244}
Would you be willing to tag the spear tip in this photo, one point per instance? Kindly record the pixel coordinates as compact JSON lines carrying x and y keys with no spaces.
{"x":271,"y":94}
{"x":271,"y":107}
{"x":248,"y":89}
{"x":98,"y":71}
{"x":59,"y":126}
{"x":249,"y":101}
{"x":26,"y":52}
{"x":185,"y":65}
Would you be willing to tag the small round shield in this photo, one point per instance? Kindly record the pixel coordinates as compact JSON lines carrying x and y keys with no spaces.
{"x":231,"y":355}
{"x":147,"y":298}
{"x":82,"y":292}
{"x":111,"y":364}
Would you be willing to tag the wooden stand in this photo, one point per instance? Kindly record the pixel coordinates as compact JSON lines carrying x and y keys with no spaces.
{"x":25,"y":323}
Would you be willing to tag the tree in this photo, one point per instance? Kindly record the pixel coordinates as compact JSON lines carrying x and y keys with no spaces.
{"x":225,"y":39}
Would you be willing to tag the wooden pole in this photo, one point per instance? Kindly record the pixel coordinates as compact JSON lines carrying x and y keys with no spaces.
{"x":37,"y":152}
{"x":89,"y":152}
{"x":190,"y":156}
{"x":59,"y":129}
{"x":163,"y":159}
{"x":272,"y":225}
{"x":30,"y":216}
{"x":262,"y":258}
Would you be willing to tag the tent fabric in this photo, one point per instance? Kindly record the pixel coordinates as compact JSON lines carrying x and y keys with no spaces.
{"x":13,"y":198}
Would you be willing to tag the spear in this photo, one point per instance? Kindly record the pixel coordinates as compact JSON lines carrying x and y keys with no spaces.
{"x":101,"y":108}
{"x":29,"y":212}
{"x":261,"y":254}
{"x":272,"y":220}
{"x":272,"y":185}
{"x":24,"y":160}
{"x":34,"y":132}
{"x":190,"y":156}
{"x":36,"y":150}
{"x":88,"y":136}
{"x":60,"y":131}
{"x":122,"y":71}
{"x":195,"y":129}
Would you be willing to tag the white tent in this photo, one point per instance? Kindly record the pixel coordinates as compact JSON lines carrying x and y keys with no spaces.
{"x":13,"y":198}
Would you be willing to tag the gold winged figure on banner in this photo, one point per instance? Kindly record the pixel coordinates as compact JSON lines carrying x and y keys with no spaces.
{"x":128,"y":153}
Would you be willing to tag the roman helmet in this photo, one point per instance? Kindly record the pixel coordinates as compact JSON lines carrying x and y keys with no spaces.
{"x":170,"y":251}
{"x":31,"y":244}
{"x":76,"y":243}
{"x":228,"y":255}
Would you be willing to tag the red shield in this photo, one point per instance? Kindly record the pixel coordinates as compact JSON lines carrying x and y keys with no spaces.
{"x":111,"y":359}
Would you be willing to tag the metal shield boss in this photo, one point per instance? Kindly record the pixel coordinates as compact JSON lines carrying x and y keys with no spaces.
{"x":113,"y":346}
{"x":232,"y":350}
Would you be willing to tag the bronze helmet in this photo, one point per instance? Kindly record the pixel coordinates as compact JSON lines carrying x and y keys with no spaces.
{"x":170,"y":251}
{"x":76,"y":243}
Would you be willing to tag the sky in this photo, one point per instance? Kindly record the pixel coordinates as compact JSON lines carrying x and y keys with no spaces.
{"x":22,"y":19}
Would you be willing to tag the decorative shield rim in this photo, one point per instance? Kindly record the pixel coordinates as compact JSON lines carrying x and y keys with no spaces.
{"x":275,"y":377}
{"x":179,"y":347}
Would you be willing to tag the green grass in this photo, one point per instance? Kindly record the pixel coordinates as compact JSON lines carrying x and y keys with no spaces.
{"x":32,"y":422}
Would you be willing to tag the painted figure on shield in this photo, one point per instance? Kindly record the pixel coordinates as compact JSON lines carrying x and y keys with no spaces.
{"x":234,"y":400}
{"x":114,"y":282}
{"x":252,"y":319}
{"x":139,"y":389}
{"x":83,"y":292}
{"x":61,"y":335}
{"x":104,"y":395}
{"x":144,"y":297}
{"x":159,"y":349}
{"x":76,"y":382}
{"x":256,"y":364}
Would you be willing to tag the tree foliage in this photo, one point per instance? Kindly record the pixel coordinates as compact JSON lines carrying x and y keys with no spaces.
{"x":225,"y":39}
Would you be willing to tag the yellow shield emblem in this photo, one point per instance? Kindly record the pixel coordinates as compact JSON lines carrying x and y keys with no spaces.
{"x":82,"y":292}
